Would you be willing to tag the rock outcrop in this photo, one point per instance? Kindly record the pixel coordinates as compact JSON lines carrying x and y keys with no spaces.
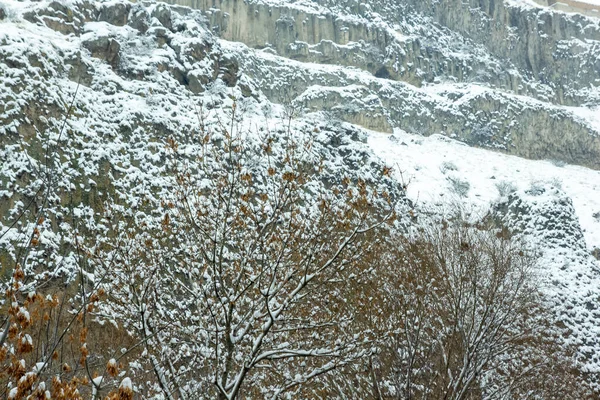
{"x":92,"y":101}
{"x":92,"y":90}
{"x":420,"y":61}
{"x":545,"y":217}
{"x":490,"y":73}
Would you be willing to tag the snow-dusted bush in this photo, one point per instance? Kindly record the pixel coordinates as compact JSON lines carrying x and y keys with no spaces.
{"x":50,"y":347}
{"x":538,"y":187}
{"x":458,"y":186}
{"x":448,"y":166}
{"x":505,"y":188}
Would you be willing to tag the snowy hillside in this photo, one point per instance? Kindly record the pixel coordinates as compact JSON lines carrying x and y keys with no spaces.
{"x":443,"y":174}
{"x":487,"y":108}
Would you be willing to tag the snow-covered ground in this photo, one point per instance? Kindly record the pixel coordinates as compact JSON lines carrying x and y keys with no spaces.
{"x":437,"y":170}
{"x":428,"y":164}
{"x":442,"y":174}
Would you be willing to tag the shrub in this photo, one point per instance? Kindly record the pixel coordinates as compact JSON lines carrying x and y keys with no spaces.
{"x":242,"y":287}
{"x":505,"y":188}
{"x":448,"y":166}
{"x":458,"y":186}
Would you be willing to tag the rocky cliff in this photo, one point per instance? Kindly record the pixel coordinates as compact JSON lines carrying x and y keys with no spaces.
{"x":89,"y":95}
{"x":91,"y":91}
{"x":537,"y":71}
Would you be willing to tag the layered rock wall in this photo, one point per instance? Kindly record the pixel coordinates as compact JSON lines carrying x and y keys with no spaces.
{"x":579,"y":7}
{"x":549,"y":57}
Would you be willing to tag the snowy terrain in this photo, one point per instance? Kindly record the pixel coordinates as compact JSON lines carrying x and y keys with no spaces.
{"x":142,"y":81}
{"x":570,"y":274}
{"x":428,"y":163}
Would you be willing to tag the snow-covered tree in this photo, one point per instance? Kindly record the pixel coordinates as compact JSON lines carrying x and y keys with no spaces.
{"x":465,"y":319}
{"x":239,"y":289}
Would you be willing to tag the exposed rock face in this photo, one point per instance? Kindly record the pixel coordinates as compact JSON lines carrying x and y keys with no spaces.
{"x":115,"y":14}
{"x":104,"y":48}
{"x":488,"y":73}
{"x":546,"y":217}
{"x":59,"y":17}
{"x":415,"y":64}
{"x":419,"y":57}
{"x":537,"y":43}
{"x":95,"y":98}
{"x":556,"y":49}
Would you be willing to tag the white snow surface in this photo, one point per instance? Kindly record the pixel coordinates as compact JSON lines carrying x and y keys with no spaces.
{"x":126,"y":384}
{"x":427,"y":165}
{"x":570,"y":275}
{"x":535,"y":3}
{"x":421,"y":161}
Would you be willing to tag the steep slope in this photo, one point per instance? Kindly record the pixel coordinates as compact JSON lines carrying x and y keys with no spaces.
{"x":553,"y":207}
{"x":91,"y":92}
{"x":88,"y":104}
{"x":414,"y":65}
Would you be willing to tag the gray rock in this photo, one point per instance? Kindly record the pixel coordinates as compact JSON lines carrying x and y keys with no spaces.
{"x":162,"y":36}
{"x":229,"y":69}
{"x":115,"y":14}
{"x":58,"y":17}
{"x":543,"y":211}
{"x":163,"y":14}
{"x":139,"y":19}
{"x":197,"y":82}
{"x":105,"y":48}
{"x":80,"y":71}
{"x":246,"y":90}
{"x":545,"y":64}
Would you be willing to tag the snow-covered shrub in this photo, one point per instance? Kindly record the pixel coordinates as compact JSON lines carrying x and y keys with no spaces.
{"x":505,"y":188}
{"x":536,"y":188}
{"x":50,"y":345}
{"x":448,"y":166}
{"x":458,"y":186}
{"x":469,"y":320}
{"x":248,"y":279}
{"x":556,"y":182}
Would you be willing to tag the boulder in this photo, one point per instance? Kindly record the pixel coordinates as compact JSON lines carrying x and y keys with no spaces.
{"x":197,"y":82}
{"x":104,"y":48}
{"x":58,"y":17}
{"x":139,"y":19}
{"x":191,"y":51}
{"x":163,"y":14}
{"x":115,"y":14}
{"x":80,"y":71}
{"x":229,"y":69}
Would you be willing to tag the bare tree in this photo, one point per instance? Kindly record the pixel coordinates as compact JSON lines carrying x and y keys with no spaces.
{"x":49,"y":345}
{"x":467,"y":320}
{"x":240,"y":288}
